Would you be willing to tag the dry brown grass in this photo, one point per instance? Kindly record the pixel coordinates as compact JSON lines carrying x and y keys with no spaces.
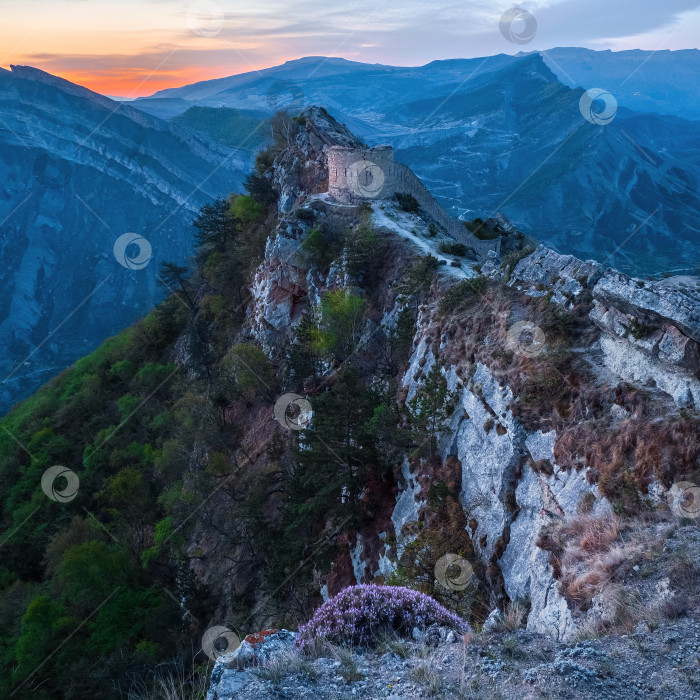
{"x":171,"y":685}
{"x":587,"y":553}
{"x":623,"y":460}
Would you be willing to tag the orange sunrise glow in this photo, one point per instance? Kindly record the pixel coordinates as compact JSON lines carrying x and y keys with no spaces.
{"x":134,"y":48}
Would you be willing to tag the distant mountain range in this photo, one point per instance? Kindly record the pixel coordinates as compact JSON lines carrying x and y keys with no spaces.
{"x":506,"y":133}
{"x":78,"y":170}
{"x":665,"y":82}
{"x":502,"y":133}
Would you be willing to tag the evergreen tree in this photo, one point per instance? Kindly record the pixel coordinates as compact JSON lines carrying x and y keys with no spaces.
{"x":216,"y":226}
{"x":417,"y":281}
{"x":259,"y":188}
{"x":429,"y":410}
{"x":334,"y":456}
{"x":362,"y":259}
{"x":302,"y":358}
{"x":401,"y":338}
{"x":172,"y":277}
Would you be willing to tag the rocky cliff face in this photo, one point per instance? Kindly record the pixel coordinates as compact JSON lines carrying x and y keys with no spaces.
{"x":528,"y":455}
{"x":338,"y":394}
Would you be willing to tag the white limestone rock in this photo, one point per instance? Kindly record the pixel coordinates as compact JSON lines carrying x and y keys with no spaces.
{"x":488,"y":454}
{"x":359,"y":565}
{"x":675,"y":304}
{"x":633,"y":365}
{"x":565,"y":275}
{"x":407,"y":507}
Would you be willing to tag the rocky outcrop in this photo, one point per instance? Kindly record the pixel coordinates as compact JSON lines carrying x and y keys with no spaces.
{"x":548,"y":272}
{"x":651,"y":332}
{"x":501,"y":663}
{"x":302,"y":168}
{"x":511,"y":484}
{"x":280,"y":286}
{"x":232,"y":675}
{"x":665,"y":302}
{"x":506,"y":500}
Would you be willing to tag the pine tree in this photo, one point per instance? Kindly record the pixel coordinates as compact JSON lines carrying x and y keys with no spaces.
{"x":172,"y":277}
{"x":362,"y":259}
{"x":417,"y":281}
{"x":429,"y":410}
{"x":302,"y":358}
{"x":334,"y":456}
{"x":216,"y":226}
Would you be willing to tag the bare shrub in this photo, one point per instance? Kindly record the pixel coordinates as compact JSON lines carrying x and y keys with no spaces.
{"x":587,"y":553}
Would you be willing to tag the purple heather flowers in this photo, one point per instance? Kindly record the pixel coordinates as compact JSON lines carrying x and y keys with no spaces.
{"x":358,"y":614}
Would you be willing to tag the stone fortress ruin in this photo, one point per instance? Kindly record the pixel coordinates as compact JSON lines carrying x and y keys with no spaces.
{"x":362,"y":174}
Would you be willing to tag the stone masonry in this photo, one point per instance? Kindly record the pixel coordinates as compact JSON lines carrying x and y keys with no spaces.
{"x":361,"y":174}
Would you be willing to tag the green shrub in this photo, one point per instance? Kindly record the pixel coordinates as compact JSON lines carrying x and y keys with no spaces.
{"x":462,"y":294}
{"x":640,"y":330}
{"x":408,"y":202}
{"x":322,"y":246}
{"x":476,"y":226}
{"x":246,"y":209}
{"x":453,"y":248}
{"x":341,"y":319}
{"x":251,"y":373}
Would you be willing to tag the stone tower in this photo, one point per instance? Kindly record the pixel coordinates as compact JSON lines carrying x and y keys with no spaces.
{"x":356,"y":174}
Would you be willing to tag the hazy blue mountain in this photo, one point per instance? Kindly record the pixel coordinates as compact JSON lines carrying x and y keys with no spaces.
{"x":667,"y":82}
{"x":78,"y":170}
{"x":165,"y":107}
{"x":505,"y":133}
{"x":516,"y":142}
{"x":234,"y":128}
{"x":334,"y":82}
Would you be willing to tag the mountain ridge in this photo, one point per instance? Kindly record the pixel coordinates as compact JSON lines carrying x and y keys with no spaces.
{"x":334,"y":396}
{"x":474,"y":131}
{"x":70,"y":160}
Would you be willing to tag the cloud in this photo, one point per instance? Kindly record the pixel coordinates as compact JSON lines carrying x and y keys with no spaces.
{"x":102,"y":41}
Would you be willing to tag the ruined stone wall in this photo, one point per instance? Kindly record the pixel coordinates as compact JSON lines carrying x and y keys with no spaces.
{"x":406,"y":181}
{"x":356,"y":175}
{"x":359,"y":174}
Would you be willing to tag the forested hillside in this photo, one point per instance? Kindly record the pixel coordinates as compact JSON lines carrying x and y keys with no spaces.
{"x":334,"y":394}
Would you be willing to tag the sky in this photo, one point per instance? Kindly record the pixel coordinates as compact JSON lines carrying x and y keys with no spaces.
{"x":136,"y":47}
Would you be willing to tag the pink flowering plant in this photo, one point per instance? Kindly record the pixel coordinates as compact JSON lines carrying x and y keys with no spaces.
{"x":357,"y":615}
